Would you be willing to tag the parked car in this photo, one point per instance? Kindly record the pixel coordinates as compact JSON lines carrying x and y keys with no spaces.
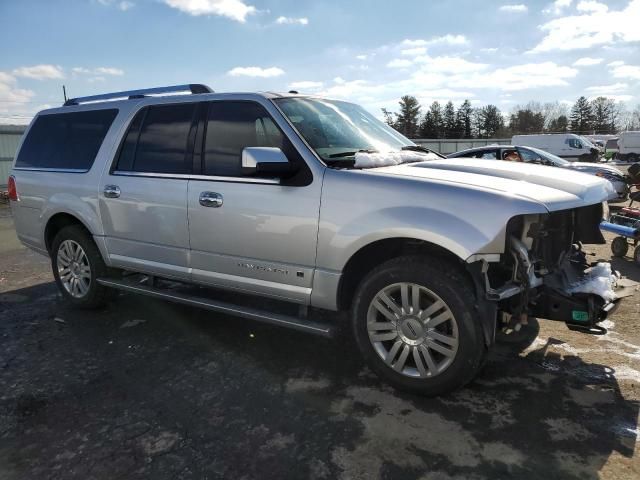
{"x":569,"y":146}
{"x":628,"y":147}
{"x":535,"y":155}
{"x":312,"y":203}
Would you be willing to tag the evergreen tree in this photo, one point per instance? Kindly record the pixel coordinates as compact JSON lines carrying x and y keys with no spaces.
{"x":559,"y":125}
{"x":409,"y":116}
{"x":388,"y":118}
{"x":431,"y":126}
{"x":603,"y":110}
{"x":524,"y":121}
{"x":464,"y":120}
{"x":449,"y":120}
{"x":581,"y":116}
{"x":490,"y":121}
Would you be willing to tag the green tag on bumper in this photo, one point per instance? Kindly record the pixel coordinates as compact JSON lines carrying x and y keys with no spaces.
{"x":580,"y":316}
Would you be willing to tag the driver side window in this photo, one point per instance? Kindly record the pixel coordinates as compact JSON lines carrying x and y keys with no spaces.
{"x":232,"y":126}
{"x":573,"y":142}
{"x":529,"y":156}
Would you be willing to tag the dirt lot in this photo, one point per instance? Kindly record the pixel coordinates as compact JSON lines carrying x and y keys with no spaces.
{"x":145,"y":389}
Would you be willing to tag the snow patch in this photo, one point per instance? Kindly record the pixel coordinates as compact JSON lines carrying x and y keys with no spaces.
{"x":386,"y":159}
{"x":599,"y":280}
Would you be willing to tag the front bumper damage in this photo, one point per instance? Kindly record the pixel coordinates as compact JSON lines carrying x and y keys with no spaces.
{"x":544,"y":273}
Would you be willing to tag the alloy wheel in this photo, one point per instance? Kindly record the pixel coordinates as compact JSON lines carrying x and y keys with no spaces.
{"x":73,"y":268}
{"x":412,"y":330}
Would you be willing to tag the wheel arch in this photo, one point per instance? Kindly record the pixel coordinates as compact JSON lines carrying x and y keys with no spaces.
{"x":57,"y":222}
{"x":373,"y":254}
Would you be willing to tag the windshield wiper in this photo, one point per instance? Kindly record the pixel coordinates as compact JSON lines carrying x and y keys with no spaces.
{"x":419,"y":148}
{"x":352,"y":153}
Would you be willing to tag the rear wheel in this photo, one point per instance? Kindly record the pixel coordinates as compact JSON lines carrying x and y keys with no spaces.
{"x":77,"y":264}
{"x":414,"y":323}
{"x":619,"y":247}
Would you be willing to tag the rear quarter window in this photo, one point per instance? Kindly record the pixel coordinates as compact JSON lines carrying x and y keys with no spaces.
{"x":65,"y":140}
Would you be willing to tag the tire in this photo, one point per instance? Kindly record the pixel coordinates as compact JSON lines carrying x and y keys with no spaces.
{"x":636,"y":255}
{"x":619,"y":247}
{"x":440,"y":285}
{"x":85,"y":268}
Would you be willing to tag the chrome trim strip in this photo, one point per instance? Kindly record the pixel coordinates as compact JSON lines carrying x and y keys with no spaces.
{"x":227,"y":308}
{"x":61,"y":170}
{"x":187,"y":176}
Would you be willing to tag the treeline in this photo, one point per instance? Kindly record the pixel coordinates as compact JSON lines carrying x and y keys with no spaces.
{"x":601,"y":115}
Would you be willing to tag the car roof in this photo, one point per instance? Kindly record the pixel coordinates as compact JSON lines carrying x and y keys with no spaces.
{"x":130,"y":103}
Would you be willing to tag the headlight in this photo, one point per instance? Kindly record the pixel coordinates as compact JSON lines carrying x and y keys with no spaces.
{"x":605,"y":211}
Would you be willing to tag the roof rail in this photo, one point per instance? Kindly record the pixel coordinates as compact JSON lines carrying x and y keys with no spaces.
{"x":130,"y":94}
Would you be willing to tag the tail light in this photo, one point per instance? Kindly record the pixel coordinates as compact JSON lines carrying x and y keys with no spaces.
{"x":13,"y":191}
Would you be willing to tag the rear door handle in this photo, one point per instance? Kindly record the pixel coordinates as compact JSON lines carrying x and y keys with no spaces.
{"x":210,"y":199}
{"x":111,"y":191}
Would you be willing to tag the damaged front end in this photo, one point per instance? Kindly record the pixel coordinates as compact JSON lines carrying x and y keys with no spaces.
{"x":544,"y":271}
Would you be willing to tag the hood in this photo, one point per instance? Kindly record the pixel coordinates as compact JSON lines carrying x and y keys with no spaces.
{"x":556,"y":189}
{"x":594,"y":167}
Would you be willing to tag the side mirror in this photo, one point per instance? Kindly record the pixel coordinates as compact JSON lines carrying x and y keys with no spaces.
{"x":265,"y":160}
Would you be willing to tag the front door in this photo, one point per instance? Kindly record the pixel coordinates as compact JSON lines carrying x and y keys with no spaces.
{"x":254,"y":234}
{"x":143,"y":198}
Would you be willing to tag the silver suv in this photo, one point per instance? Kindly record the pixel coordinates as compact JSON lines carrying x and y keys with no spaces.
{"x":304,"y":202}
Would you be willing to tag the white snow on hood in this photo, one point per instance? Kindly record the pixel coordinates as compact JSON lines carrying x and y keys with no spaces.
{"x":386,"y":159}
{"x":599,"y":280}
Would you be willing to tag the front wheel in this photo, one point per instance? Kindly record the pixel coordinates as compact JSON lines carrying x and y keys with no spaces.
{"x":414,"y":323}
{"x":77,"y":264}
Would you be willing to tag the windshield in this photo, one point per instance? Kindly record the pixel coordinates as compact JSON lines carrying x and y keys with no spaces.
{"x":337,"y":130}
{"x":550,"y":157}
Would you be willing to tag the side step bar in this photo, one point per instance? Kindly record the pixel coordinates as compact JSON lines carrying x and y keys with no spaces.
{"x":276,"y":319}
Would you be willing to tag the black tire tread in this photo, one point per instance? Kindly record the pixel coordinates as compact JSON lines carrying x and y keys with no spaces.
{"x":98,"y":294}
{"x":452,"y":274}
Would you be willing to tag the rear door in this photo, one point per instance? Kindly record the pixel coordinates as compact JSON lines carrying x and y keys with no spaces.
{"x":143,"y":197}
{"x":261,"y":235}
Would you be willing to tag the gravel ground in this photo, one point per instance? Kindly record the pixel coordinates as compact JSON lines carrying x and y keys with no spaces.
{"x":146,"y":389}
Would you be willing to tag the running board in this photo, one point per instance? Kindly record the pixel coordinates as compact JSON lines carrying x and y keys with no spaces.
{"x":276,"y":319}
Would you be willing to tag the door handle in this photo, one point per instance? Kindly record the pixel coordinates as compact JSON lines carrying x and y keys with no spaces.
{"x":111,"y":191}
{"x":210,"y":199}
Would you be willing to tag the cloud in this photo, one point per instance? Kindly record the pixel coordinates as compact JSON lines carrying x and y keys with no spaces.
{"x":591,"y":6}
{"x":292,"y":21}
{"x":234,"y":9}
{"x":627,"y":71}
{"x":399,"y":63}
{"x":123,"y":5}
{"x":40,"y":72}
{"x":518,"y":8}
{"x":98,"y":71}
{"x":14,"y":101}
{"x":361,"y":57}
{"x":590,"y":29}
{"x":447,"y":39}
{"x":615,"y":63}
{"x":607,"y":89}
{"x":557,"y":7}
{"x":587,"y":62}
{"x":256,"y":72}
{"x":489,"y":50}
{"x":305,"y":85}
{"x":412,"y":52}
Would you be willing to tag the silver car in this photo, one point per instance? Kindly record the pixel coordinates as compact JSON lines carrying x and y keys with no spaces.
{"x":309,"y":203}
{"x":535,"y":155}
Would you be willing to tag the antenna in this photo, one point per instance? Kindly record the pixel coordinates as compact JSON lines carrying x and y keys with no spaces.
{"x":64,"y":93}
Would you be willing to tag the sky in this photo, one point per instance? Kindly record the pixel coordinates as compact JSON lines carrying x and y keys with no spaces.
{"x":367,"y":51}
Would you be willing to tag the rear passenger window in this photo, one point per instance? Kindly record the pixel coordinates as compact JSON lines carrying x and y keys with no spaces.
{"x":231,"y":127}
{"x":158,"y":140}
{"x":65,"y":140}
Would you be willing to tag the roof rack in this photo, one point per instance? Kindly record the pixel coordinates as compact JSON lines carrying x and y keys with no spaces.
{"x":131,"y":94}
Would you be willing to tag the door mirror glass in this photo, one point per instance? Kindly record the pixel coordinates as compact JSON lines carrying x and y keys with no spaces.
{"x":265,"y":160}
